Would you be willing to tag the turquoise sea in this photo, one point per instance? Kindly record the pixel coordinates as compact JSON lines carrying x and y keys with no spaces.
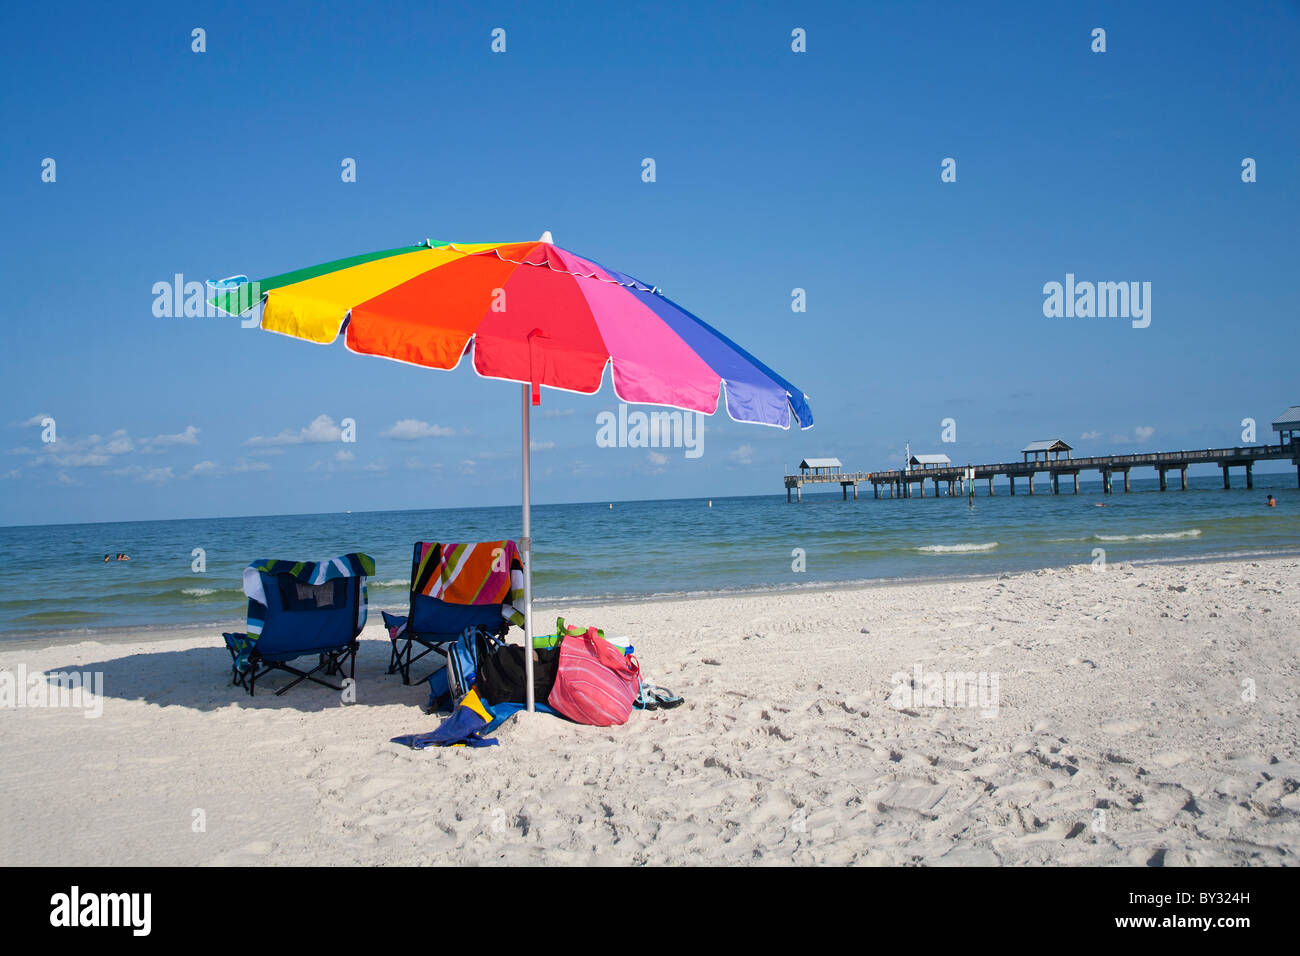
{"x":54,"y":578}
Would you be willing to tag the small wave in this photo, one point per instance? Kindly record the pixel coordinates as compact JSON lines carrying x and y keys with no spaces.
{"x":956,"y":548}
{"x":402,"y":583}
{"x":1162,"y":536}
{"x":199,"y":592}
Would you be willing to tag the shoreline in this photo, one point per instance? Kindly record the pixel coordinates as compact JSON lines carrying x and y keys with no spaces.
{"x":118,"y":634}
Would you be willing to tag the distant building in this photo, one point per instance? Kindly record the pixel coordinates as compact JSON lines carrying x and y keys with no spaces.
{"x":1287,"y":425}
{"x":820,"y":466}
{"x":929,"y":461}
{"x":1049,"y":448}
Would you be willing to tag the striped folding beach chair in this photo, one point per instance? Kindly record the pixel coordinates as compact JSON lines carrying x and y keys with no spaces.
{"x":455,"y":587}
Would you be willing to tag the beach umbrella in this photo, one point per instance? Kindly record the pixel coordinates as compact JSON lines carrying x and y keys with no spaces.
{"x":526,"y":312}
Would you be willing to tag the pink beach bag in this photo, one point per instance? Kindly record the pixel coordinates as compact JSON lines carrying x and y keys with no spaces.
{"x":595,"y":682}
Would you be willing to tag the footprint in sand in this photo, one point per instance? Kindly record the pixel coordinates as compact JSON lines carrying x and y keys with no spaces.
{"x":250,"y":854}
{"x":1021,"y":792}
{"x":1171,"y":758}
{"x":1120,"y":727}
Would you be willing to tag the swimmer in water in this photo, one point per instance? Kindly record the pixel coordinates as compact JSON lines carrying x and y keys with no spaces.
{"x":1272,"y":503}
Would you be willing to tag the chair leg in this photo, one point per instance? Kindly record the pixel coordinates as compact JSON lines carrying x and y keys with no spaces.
{"x":239,"y":678}
{"x":402,"y":655}
{"x":302,"y":676}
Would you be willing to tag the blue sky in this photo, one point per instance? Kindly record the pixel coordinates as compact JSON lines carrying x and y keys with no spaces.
{"x":775,"y":170}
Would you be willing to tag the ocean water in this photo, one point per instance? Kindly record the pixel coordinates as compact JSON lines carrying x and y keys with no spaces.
{"x":55,"y":580}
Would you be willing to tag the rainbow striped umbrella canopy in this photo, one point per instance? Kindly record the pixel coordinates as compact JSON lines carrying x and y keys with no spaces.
{"x":528,"y":312}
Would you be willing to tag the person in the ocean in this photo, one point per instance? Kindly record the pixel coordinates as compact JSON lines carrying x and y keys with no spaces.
{"x":105,"y":557}
{"x":1272,"y":503}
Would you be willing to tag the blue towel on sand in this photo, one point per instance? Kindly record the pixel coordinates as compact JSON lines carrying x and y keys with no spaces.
{"x":462,"y":727}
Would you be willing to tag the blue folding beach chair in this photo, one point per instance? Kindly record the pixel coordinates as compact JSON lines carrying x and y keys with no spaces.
{"x":433,"y":624}
{"x":298,"y":609}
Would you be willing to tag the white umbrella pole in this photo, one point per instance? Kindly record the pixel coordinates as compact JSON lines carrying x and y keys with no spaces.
{"x":526,"y":546}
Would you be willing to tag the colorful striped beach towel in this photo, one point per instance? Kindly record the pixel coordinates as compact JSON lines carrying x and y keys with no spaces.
{"x":482,"y":572}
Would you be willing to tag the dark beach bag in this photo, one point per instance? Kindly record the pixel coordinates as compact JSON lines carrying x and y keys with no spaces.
{"x":501,"y":674}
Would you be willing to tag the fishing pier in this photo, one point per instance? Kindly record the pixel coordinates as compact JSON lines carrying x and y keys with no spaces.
{"x":947,"y":479}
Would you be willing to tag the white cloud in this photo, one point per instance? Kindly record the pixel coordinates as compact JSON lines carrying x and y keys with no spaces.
{"x":1089,"y":436}
{"x":118,"y":443}
{"x":91,"y":451}
{"x":343,"y":461}
{"x":97,"y":451}
{"x":33,"y":422}
{"x":535,"y":445}
{"x":411,"y":429}
{"x":211,"y":469}
{"x":1142,"y":433}
{"x":153,"y":476}
{"x":188,"y":437}
{"x":556,"y":412}
{"x":321,"y":431}
{"x":744,"y":455}
{"x":74,"y":459}
{"x":658,"y":458}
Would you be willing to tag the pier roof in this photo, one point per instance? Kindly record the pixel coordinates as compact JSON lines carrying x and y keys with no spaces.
{"x":1047,"y":444}
{"x":821,"y":463}
{"x":1289,"y":420}
{"x":929,"y":460}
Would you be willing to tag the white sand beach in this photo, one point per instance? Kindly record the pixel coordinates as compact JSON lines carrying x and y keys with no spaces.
{"x":1145,"y":715}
